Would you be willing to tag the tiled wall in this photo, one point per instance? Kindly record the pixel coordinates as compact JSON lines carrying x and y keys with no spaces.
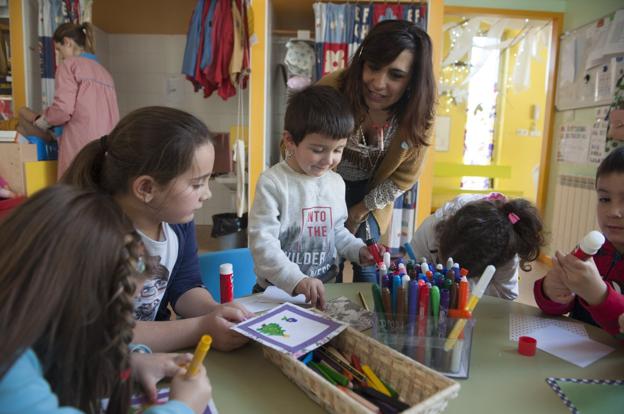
{"x":146,"y":70}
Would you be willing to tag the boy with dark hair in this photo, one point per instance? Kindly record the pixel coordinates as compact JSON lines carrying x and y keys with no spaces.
{"x":296,"y":224}
{"x":591,"y":290}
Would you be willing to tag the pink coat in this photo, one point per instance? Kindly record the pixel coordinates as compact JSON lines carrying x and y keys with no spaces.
{"x":85,"y":104}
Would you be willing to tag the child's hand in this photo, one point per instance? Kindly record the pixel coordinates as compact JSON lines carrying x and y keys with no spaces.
{"x":582,"y":277}
{"x":313,"y":290}
{"x":196,"y":392}
{"x":218,"y":323}
{"x":149,"y":369}
{"x":366,"y":258}
{"x":553,"y":285}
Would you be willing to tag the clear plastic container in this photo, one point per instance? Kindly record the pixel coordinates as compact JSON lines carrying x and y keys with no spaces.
{"x":402,"y":336}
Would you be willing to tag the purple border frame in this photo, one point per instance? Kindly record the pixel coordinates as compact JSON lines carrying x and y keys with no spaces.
{"x":331,"y":326}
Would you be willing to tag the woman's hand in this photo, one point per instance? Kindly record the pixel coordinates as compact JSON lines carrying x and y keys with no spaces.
{"x":582,"y":277}
{"x":149,"y":369}
{"x":196,"y":392}
{"x":357,"y":215}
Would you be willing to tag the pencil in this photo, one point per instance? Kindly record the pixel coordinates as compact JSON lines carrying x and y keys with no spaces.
{"x":198,"y":357}
{"x":363,"y":300}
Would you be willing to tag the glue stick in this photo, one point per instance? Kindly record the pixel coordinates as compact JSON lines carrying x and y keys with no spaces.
{"x":226,"y":282}
{"x":590,"y":244}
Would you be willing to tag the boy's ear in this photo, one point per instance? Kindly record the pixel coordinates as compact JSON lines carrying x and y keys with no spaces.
{"x":288,"y":140}
{"x":143,"y":188}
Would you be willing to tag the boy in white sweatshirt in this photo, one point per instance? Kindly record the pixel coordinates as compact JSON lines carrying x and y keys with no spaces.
{"x":296,"y":224}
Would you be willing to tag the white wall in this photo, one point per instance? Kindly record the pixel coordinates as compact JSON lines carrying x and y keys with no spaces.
{"x":146,"y":70}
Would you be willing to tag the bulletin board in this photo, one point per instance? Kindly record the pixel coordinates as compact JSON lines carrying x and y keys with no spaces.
{"x":591,"y":61}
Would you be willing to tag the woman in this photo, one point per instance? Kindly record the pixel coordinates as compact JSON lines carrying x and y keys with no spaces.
{"x":390,"y":85}
{"x":85,"y":101}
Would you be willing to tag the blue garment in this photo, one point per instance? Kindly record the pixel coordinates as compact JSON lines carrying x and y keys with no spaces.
{"x":23,"y":389}
{"x":185,"y":274}
{"x":208,"y":25}
{"x":192,"y":41}
{"x":88,"y":56}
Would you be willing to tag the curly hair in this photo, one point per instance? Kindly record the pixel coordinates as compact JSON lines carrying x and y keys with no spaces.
{"x":68,"y":261}
{"x":481,"y":233}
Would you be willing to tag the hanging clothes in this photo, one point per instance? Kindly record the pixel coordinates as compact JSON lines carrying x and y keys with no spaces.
{"x":218,"y":63}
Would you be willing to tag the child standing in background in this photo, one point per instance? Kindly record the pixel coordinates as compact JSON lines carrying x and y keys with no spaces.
{"x":66,"y":321}
{"x":156,"y":164}
{"x":85,"y":102}
{"x":591,"y":290}
{"x":296,"y":224}
{"x":477,"y":231}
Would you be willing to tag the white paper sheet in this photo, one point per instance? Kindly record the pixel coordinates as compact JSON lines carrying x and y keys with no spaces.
{"x":524,"y":325}
{"x":269,"y":299}
{"x":576,"y":349}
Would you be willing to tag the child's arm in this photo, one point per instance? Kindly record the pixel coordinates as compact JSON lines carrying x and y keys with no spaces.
{"x":270,"y":261}
{"x":504,"y":283}
{"x":599,"y":298}
{"x":65,"y":94}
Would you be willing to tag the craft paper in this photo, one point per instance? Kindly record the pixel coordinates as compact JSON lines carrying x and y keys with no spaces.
{"x":350,"y":312}
{"x":582,"y":395}
{"x":269,"y":299}
{"x":524,"y":325}
{"x":579,"y":350}
{"x":290,"y":329}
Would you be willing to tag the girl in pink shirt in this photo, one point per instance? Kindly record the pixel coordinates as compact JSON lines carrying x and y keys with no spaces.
{"x":85,"y":102}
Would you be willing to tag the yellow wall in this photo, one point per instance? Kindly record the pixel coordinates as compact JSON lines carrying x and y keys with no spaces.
{"x":521,"y":153}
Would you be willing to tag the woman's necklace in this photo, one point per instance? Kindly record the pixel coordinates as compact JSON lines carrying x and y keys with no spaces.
{"x":372,"y":148}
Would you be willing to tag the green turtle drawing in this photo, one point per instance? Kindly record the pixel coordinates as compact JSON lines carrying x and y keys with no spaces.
{"x":272,"y":329}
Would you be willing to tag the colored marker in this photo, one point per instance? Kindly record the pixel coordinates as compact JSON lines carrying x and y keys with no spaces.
{"x":410,"y":251}
{"x":374,"y":250}
{"x":387,"y":302}
{"x":198,"y":357}
{"x":412,"y":302}
{"x":444,"y":307}
{"x":379,"y":307}
{"x":374,"y":381}
{"x":396,"y":284}
{"x":462,"y":296}
{"x":477,"y":292}
{"x":387,"y":259}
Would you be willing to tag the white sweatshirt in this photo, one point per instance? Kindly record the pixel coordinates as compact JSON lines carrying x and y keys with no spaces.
{"x":296,"y":226}
{"x":504,"y":283}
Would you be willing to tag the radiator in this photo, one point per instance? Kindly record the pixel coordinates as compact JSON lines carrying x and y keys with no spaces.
{"x":574,"y":213}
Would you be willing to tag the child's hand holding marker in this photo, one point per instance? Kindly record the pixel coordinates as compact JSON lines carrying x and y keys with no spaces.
{"x":192,"y":385}
{"x":313,"y":290}
{"x":553,"y":285}
{"x":149,"y":369}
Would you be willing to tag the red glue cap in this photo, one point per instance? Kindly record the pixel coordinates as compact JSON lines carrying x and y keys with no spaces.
{"x":527,"y":345}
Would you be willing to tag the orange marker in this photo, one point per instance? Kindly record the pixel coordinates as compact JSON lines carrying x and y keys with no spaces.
{"x":198,"y":357}
{"x":462,"y":299}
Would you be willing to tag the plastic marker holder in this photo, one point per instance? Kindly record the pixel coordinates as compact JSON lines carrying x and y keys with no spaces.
{"x":477,"y":292}
{"x":200,"y":353}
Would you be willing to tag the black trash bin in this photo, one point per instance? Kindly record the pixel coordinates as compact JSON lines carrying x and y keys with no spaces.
{"x":229,"y":230}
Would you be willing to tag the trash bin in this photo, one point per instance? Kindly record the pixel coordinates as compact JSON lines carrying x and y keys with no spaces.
{"x":229,"y":230}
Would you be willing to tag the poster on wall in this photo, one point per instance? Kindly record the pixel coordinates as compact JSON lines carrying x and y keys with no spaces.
{"x":573,"y":144}
{"x":598,"y":136}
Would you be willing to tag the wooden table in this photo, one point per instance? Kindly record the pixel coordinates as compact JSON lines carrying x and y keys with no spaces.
{"x":501,"y":380}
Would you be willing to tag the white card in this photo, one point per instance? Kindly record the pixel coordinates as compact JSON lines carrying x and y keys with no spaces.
{"x":571,"y":347}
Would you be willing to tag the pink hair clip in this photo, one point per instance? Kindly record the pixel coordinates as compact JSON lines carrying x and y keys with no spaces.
{"x":496,"y":197}
{"x":513,"y":218}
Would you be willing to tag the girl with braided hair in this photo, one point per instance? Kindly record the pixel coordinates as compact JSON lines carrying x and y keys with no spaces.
{"x":70,"y":263}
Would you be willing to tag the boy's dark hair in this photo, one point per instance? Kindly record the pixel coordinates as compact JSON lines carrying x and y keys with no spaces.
{"x":82,"y":34}
{"x":381,"y":46}
{"x":157,"y":141}
{"x":613,"y":163}
{"x":318,"y":109}
{"x":481,"y":233}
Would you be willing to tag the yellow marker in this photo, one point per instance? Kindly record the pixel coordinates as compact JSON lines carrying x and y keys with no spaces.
{"x":374,"y":381}
{"x":200,"y":353}
{"x":477,"y":292}
{"x":363,"y":301}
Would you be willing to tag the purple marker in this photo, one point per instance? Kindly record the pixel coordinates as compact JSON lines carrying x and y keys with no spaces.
{"x":445,"y":300}
{"x":385,"y":282}
{"x":412,"y":302}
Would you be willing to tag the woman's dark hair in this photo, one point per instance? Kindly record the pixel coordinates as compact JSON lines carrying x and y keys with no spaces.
{"x":157,"y":141}
{"x":67,"y":263}
{"x":318,"y":109}
{"x":82,"y":34}
{"x":482,"y":233}
{"x":613,"y":163}
{"x":382,"y":45}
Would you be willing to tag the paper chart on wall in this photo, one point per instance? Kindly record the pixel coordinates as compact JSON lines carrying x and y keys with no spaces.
{"x":574,"y":143}
{"x":598,"y":136}
{"x":524,"y":325}
{"x":290,"y":329}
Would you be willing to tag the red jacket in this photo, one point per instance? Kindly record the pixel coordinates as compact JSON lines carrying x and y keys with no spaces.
{"x":611,"y":267}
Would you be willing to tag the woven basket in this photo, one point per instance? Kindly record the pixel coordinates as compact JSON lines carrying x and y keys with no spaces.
{"x":422,"y":388}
